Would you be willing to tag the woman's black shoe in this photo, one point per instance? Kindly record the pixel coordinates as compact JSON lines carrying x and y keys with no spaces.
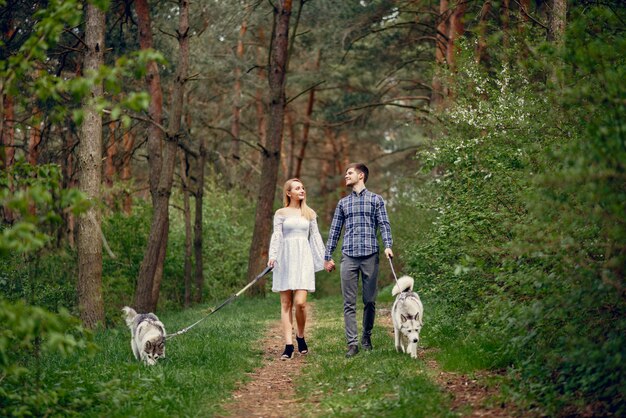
{"x":302,"y":347}
{"x":287,"y":353}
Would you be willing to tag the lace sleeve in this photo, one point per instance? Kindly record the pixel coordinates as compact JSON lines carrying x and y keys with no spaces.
{"x":317,"y":245}
{"x":277,"y":237}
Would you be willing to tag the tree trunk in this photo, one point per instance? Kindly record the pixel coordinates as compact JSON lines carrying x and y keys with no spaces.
{"x":90,"y":301}
{"x":111,"y":152}
{"x":455,"y":31}
{"x":307,"y":120}
{"x":184,"y":178}
{"x":270,"y":158}
{"x":127,"y":143}
{"x":197,"y":236}
{"x":151,"y":270}
{"x":235,"y":123}
{"x":481,"y":49}
{"x":557,"y":12}
{"x":505,"y":16}
{"x":34,"y":139}
{"x":441,"y":45}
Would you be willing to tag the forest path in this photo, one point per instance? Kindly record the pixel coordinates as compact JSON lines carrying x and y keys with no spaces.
{"x":472,"y":396}
{"x":270,"y":392}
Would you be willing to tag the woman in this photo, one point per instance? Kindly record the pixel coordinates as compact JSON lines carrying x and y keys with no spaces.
{"x":296,"y":252}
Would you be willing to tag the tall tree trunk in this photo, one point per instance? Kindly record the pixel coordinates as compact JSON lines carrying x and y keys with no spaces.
{"x":307,"y":120}
{"x":269,"y":169}
{"x":455,"y":31}
{"x":441,"y":45}
{"x":127,"y":143}
{"x":184,"y":178}
{"x":151,"y":270}
{"x":197,"y":236}
{"x":68,"y":182}
{"x":34,"y":139}
{"x":111,"y":152}
{"x":505,"y":16}
{"x":481,"y":49}
{"x":7,"y":145}
{"x":90,"y":303}
{"x":557,"y":12}
{"x":235,"y":123}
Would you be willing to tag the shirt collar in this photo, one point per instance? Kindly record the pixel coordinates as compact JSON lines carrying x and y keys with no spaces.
{"x":359,"y":194}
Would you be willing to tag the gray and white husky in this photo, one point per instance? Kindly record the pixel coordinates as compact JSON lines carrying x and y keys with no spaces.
{"x":147,"y":335}
{"x":407,"y":313}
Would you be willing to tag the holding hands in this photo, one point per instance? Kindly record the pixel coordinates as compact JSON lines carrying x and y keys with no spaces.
{"x":329,"y":265}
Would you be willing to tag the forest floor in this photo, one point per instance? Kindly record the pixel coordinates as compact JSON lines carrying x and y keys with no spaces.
{"x":271,"y":389}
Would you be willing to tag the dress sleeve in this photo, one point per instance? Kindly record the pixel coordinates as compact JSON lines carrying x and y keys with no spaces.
{"x":277,"y":237}
{"x":317,"y":245}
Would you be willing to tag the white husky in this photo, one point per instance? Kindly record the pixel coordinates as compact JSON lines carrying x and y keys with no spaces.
{"x":408,"y":315}
{"x":147,"y":336}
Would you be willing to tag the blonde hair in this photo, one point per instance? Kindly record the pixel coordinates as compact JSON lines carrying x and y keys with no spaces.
{"x":307,"y":212}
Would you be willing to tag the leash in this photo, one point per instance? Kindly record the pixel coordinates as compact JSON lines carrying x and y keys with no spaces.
{"x":393,"y":271}
{"x":226,"y":302}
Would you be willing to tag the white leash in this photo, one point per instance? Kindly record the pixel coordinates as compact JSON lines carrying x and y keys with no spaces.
{"x":393,"y":271}
{"x":226,"y":302}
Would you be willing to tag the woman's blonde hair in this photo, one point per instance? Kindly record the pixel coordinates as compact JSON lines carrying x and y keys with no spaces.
{"x":307,"y":212}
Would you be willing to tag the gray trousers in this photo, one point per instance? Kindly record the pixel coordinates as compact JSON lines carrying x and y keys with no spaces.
{"x":350,"y":269}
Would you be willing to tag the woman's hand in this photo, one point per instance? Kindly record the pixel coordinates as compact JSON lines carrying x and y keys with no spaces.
{"x":271,"y":262}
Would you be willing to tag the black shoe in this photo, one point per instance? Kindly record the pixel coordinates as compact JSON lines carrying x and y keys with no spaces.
{"x":288,"y":353}
{"x":366,"y":343}
{"x":353,"y":350}
{"x":302,"y":347}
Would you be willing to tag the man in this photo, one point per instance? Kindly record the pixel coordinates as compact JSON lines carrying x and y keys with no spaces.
{"x":362,"y":212}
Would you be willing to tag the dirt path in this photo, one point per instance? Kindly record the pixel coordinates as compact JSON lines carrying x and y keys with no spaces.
{"x":472,"y":396}
{"x":270,"y":392}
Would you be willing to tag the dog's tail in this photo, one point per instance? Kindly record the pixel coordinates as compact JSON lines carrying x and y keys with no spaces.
{"x":130,"y":314}
{"x":405,"y":284}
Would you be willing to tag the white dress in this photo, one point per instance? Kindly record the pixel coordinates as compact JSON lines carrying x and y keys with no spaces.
{"x":298,"y":249}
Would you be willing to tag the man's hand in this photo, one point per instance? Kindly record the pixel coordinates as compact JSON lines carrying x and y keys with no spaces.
{"x":388,"y":253}
{"x":329,"y":265}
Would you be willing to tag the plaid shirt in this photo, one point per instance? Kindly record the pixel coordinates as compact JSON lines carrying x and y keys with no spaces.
{"x":362,"y":214}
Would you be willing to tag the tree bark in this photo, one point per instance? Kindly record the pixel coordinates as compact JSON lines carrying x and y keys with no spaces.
{"x":270,"y":158}
{"x":441,"y":45}
{"x":90,"y":303}
{"x":455,"y":31}
{"x":197,"y":236}
{"x":481,"y":49}
{"x":235,"y":123}
{"x":184,"y":179}
{"x":128,"y":141}
{"x":151,"y":270}
{"x":307,"y":121}
{"x":557,"y":12}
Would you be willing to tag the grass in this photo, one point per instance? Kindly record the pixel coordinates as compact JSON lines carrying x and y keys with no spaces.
{"x":380,"y":383}
{"x":201,"y":369}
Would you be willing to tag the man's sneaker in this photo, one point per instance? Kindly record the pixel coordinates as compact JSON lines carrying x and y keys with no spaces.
{"x":353,"y":350}
{"x":366,"y":343}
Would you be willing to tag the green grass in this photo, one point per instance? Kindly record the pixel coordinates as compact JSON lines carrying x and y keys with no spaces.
{"x":380,"y":383}
{"x":200,"y":370}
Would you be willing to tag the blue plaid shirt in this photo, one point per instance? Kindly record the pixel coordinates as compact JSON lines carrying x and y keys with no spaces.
{"x":361,"y":214}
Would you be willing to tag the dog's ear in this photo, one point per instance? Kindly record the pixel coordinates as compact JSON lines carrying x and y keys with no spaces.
{"x":148,"y":346}
{"x":404,"y":318}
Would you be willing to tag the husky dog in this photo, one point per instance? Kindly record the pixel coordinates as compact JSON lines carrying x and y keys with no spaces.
{"x":147,"y":336}
{"x":407,"y":313}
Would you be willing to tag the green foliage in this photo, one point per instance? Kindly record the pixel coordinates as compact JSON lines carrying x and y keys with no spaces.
{"x":28,"y":335}
{"x":525,"y":252}
{"x":34,"y":195}
{"x":197,"y":376}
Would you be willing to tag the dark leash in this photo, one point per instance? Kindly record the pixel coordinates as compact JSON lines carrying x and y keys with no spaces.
{"x":226,"y":302}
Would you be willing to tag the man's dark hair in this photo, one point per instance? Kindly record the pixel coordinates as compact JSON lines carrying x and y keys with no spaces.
{"x":362,"y":168}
